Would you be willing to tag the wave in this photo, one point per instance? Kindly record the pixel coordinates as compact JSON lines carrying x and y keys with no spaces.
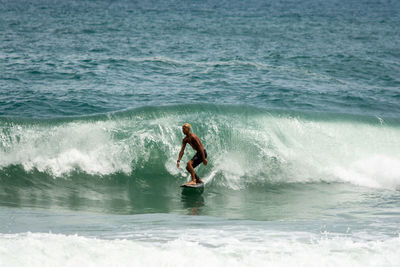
{"x":246,"y":146}
{"x":278,"y":249}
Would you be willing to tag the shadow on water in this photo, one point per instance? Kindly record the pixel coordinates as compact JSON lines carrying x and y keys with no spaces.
{"x":192,"y":200}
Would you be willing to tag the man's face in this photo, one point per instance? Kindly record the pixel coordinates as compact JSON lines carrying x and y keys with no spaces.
{"x":185,"y":130}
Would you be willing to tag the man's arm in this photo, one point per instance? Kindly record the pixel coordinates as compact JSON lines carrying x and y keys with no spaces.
{"x":182,"y":151}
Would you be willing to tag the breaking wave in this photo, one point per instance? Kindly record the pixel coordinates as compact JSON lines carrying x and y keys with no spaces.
{"x":245,"y":145}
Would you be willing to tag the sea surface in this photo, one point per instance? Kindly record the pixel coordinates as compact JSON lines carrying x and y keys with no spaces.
{"x":297,"y":103}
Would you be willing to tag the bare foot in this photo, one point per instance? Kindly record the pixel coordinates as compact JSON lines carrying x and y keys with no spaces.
{"x":198,"y":180}
{"x":191,"y":183}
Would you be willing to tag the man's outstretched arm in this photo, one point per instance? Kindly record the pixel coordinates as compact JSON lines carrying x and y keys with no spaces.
{"x":181,"y":153}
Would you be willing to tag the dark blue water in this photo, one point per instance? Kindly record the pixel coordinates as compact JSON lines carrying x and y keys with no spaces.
{"x":63,"y":58}
{"x":296,"y":102}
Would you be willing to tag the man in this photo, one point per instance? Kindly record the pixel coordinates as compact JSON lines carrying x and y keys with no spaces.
{"x":201,"y":155}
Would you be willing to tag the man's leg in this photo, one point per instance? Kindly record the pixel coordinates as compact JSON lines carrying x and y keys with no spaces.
{"x":190,"y":169}
{"x":198,"y":180}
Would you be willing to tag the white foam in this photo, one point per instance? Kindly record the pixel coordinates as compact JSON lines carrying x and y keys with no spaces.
{"x":40,"y":249}
{"x":60,"y":149}
{"x":312,"y":151}
{"x":377,"y":171}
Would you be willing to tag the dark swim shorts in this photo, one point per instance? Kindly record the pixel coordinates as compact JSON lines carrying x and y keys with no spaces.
{"x":197,"y":159}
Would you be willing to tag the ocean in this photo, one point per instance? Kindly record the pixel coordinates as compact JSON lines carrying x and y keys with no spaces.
{"x":297,"y":103}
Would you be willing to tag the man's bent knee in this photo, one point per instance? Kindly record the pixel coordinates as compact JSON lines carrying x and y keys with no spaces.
{"x":189,"y":165}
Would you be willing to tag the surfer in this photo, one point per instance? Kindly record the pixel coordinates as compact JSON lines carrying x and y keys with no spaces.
{"x":201,"y":155}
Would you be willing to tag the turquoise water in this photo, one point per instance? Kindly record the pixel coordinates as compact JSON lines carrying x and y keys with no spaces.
{"x":296,"y":102}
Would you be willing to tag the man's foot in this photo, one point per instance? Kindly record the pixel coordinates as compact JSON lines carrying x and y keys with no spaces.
{"x":191,"y":183}
{"x":198,"y":180}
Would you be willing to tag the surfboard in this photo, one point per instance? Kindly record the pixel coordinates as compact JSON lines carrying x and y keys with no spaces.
{"x":192,"y":189}
{"x":198,"y":185}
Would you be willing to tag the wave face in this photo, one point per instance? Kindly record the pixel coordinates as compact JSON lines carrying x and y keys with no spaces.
{"x":245,"y":146}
